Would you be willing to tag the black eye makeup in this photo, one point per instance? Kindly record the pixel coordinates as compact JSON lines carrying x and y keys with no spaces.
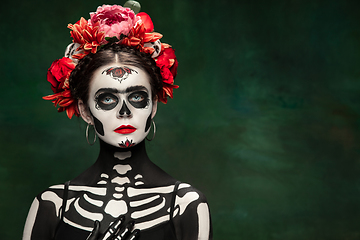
{"x":139,"y":99}
{"x":106,"y":101}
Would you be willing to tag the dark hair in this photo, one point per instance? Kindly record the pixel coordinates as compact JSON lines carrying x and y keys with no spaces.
{"x":81,"y":76}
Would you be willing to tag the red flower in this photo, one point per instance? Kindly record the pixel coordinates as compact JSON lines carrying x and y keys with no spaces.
{"x":167,"y":60}
{"x":58,"y":75}
{"x":168,"y":64}
{"x":148,"y":24}
{"x":87,"y":36}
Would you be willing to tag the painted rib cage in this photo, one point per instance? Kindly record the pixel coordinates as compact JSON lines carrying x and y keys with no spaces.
{"x":120,"y":195}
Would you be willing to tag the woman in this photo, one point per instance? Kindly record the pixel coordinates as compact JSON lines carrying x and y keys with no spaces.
{"x":113,"y":75}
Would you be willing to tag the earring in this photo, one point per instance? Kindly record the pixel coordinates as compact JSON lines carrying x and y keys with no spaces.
{"x":152,"y":121}
{"x":87,"y":135}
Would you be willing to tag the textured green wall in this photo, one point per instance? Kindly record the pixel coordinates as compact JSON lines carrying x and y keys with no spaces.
{"x":265,"y":122}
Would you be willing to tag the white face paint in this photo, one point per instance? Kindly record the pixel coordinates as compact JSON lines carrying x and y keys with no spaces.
{"x":121,"y":105}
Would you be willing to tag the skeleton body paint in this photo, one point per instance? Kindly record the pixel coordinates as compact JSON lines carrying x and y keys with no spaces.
{"x":123,"y":188}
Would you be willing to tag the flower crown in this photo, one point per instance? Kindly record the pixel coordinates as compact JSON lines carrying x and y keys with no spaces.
{"x":110,"y":24}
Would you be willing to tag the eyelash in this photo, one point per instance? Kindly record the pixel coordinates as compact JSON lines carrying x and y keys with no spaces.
{"x":142,"y":95}
{"x":135,"y":96}
{"x":107,"y":98}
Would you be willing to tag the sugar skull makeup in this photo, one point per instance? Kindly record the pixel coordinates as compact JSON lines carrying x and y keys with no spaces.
{"x":121,"y":106}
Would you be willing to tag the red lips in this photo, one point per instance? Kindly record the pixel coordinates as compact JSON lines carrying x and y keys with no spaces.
{"x":125,"y":129}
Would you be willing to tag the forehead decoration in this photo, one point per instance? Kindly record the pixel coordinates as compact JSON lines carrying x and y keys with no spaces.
{"x":119,"y":73}
{"x":111,"y":24}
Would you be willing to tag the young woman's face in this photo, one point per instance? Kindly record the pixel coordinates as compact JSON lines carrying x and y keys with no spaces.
{"x":120,"y":104}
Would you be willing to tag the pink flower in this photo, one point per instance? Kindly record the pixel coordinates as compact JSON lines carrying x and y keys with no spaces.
{"x":114,"y":20}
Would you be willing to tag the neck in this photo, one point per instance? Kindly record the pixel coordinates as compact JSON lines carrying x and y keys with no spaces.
{"x":111,"y":156}
{"x":123,"y":162}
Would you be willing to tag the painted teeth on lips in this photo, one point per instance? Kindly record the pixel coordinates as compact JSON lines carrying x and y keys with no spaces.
{"x":125,"y":129}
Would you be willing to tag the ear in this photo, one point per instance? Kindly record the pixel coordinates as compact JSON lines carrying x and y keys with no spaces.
{"x":154,"y":108}
{"x":85,"y":112}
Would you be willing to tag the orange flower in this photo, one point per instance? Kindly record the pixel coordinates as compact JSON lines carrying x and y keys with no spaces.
{"x":138,"y":37}
{"x":87,"y":36}
{"x":65,"y":101}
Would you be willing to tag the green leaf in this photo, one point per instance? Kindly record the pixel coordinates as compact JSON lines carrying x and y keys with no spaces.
{"x":111,"y":39}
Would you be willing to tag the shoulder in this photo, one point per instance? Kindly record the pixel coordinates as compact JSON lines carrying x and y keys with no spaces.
{"x":188,"y":197}
{"x":50,"y":199}
{"x":191,"y":212}
{"x":187,"y":193}
{"x":44,"y":213}
{"x":53,"y":193}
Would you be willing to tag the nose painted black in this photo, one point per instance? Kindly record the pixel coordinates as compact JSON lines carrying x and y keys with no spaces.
{"x":124,"y":110}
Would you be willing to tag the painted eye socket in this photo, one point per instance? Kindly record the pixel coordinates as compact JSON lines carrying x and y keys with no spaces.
{"x":106,"y":101}
{"x":138,"y":99}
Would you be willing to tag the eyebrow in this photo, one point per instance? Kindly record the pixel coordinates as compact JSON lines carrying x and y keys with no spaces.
{"x":127,"y":90}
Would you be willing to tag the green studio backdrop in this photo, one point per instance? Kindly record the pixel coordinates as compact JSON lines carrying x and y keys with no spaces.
{"x":265,"y":122}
